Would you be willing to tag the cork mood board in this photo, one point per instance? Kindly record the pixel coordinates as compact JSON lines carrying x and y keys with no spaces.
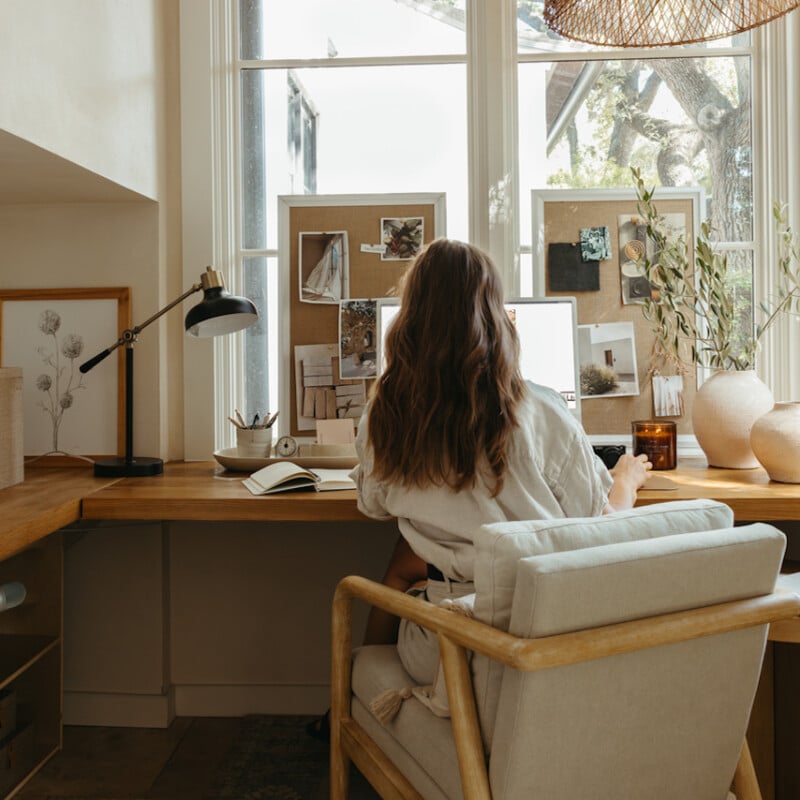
{"x":352,"y":234}
{"x":584,"y":241}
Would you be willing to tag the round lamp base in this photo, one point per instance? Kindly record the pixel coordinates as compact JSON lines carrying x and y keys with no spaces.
{"x":121,"y":468}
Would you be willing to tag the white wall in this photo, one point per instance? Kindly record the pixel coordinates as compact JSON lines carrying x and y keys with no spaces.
{"x":80,"y":80}
{"x":96,"y":83}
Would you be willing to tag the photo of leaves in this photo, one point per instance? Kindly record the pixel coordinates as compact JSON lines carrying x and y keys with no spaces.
{"x":402,"y":237}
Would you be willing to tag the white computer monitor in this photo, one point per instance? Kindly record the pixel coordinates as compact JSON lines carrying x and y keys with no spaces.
{"x":548,"y":344}
{"x":548,"y":336}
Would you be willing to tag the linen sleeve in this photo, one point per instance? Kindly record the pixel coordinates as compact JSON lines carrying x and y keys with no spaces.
{"x":371,"y":493}
{"x":582,"y":483}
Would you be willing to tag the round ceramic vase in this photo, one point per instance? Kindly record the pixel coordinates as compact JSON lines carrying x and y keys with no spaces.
{"x":723,"y":413}
{"x":775,"y":440}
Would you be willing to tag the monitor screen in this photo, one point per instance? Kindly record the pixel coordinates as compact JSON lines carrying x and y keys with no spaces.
{"x":548,"y":344}
{"x":547,"y":330}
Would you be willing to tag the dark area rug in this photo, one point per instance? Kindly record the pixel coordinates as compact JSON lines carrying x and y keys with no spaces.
{"x":273,"y":758}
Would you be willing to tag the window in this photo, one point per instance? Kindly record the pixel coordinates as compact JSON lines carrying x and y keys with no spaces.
{"x":341,"y":109}
{"x":479,"y":100}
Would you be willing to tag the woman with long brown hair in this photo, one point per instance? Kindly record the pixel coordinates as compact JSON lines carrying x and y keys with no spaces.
{"x":454,"y":438}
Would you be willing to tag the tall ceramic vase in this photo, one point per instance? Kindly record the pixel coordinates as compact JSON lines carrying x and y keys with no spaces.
{"x":775,"y":440}
{"x":724,"y":410}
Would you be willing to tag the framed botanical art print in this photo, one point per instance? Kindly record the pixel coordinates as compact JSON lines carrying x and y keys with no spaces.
{"x":49,"y":333}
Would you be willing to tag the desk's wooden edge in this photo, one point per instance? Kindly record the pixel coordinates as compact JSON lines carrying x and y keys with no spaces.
{"x":235,"y":510}
{"x":27,"y":534}
{"x":745,"y":509}
{"x":50,"y":516}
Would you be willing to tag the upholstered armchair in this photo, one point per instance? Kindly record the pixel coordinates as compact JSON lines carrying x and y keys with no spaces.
{"x":605,"y":658}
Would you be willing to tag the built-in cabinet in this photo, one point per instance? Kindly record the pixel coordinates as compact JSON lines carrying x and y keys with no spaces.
{"x":30,"y":664}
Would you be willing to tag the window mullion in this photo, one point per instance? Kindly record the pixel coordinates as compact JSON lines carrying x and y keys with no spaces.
{"x":492,"y":148}
{"x":775,"y":111}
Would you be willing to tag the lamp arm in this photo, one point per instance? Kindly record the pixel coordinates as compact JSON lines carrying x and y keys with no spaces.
{"x":196,"y":287}
{"x":129,"y":335}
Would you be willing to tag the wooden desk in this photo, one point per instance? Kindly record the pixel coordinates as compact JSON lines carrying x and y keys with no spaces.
{"x":50,"y":499}
{"x":205,"y":491}
{"x":749,"y":492}
{"x":31,"y":635}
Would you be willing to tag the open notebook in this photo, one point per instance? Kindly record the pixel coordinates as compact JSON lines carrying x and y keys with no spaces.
{"x":283,"y":476}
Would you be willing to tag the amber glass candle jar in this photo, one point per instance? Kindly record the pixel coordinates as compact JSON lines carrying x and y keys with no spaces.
{"x":658,"y":441}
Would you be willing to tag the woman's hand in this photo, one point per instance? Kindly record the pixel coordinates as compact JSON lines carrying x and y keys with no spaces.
{"x":630,"y":473}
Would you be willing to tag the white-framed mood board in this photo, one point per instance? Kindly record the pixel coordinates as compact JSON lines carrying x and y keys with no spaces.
{"x":338,"y":256}
{"x":586,"y":244}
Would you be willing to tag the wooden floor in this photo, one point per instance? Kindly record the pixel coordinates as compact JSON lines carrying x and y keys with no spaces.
{"x":179,"y":763}
{"x":176,"y":763}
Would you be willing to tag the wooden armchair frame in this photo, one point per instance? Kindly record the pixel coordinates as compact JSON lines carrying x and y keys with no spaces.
{"x":458,"y":634}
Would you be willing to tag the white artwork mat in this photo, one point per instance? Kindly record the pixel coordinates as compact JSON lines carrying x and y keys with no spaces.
{"x":89,"y":424}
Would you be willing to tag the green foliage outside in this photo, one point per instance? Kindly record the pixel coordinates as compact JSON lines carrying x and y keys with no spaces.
{"x":695,"y":316}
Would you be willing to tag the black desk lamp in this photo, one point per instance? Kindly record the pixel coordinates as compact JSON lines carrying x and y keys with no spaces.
{"x":217,"y":313}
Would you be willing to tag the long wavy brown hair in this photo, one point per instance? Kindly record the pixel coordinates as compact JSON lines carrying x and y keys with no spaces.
{"x":445,"y":406}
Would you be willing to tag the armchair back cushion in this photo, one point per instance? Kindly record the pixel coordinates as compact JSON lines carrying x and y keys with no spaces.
{"x":596,"y":729}
{"x":501,"y":546}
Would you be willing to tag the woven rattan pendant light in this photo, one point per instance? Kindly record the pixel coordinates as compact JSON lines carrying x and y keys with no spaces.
{"x":651,"y":23}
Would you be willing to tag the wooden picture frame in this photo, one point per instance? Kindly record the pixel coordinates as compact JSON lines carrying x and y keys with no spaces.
{"x":558,"y":217}
{"x":49,"y":333}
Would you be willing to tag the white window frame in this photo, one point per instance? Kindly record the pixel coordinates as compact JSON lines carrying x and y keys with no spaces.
{"x":210,"y":118}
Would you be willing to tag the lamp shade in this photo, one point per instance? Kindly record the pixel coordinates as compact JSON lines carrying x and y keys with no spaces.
{"x":219,"y":311}
{"x":653,"y":23}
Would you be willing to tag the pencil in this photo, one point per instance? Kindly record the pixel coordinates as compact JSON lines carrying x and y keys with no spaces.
{"x":271,"y":420}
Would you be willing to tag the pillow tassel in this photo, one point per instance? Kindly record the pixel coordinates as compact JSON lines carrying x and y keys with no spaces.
{"x":466,"y":609}
{"x":385,"y":706}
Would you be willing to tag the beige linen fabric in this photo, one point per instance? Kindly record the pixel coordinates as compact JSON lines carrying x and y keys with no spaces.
{"x":684,"y":707}
{"x":501,"y":547}
{"x":552,"y":472}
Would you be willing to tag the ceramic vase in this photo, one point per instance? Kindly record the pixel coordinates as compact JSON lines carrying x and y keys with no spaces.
{"x":723,"y":413}
{"x":775,"y":440}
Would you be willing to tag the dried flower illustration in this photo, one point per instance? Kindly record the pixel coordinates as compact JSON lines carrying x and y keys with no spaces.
{"x":64,"y":379}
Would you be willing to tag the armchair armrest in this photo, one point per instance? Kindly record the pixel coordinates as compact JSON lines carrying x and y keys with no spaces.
{"x":458,"y":633}
{"x":567,"y":648}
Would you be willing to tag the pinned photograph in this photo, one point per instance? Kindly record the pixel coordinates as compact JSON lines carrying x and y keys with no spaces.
{"x":668,"y":395}
{"x":402,"y":237}
{"x":634,"y":246}
{"x":358,"y":343}
{"x":321,"y":393}
{"x":607,"y":357}
{"x":595,"y":244}
{"x":324,"y":267}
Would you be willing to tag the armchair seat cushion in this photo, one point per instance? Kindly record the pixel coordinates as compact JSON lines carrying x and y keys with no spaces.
{"x":417,"y":741}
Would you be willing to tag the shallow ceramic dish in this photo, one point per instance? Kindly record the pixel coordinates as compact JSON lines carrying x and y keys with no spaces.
{"x":231,"y":460}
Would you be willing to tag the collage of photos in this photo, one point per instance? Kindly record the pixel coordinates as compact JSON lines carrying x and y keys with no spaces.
{"x":601,"y":258}
{"x":330,"y":378}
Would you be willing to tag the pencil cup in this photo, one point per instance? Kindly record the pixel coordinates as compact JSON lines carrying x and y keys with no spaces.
{"x":253,"y":442}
